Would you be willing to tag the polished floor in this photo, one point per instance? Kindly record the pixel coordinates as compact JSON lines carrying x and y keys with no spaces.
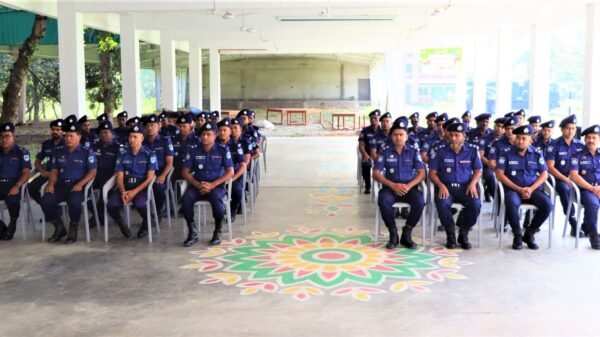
{"x":305,"y":264}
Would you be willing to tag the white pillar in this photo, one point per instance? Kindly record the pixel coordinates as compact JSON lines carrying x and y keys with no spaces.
{"x":394,"y":83}
{"x":378,"y":85}
{"x":71,"y":62}
{"x":168,"y":84}
{"x":157,"y":87}
{"x":480,"y":77}
{"x":539,"y":83}
{"x":504,"y":71}
{"x":591,"y":85}
{"x":195,"y":66}
{"x":215,"y":80}
{"x":130,"y":66}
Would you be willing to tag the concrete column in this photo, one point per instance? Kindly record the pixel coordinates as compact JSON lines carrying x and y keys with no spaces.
{"x":394,"y":82}
{"x":591,"y":85}
{"x":504,"y":71}
{"x":157,"y":86}
{"x":168,"y":82}
{"x":71,"y":60}
{"x":195,"y":66}
{"x":215,"y":79}
{"x":539,"y":83}
{"x":378,"y":84}
{"x":130,"y":66}
{"x":480,"y":76}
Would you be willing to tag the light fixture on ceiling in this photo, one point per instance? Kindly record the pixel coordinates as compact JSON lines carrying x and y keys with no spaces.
{"x":337,"y":18}
{"x":228,"y":15}
{"x":251,"y":30}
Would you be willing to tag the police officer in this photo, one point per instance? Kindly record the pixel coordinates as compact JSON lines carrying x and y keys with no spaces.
{"x":255,"y":129}
{"x":431,"y":127}
{"x":585,"y":172}
{"x":168,"y":128}
{"x":544,"y":137}
{"x":237,"y":136}
{"x":382,"y":136}
{"x":400,"y":169}
{"x":477,"y":134}
{"x":558,"y":159}
{"x":503,"y":144}
{"x":46,"y":152}
{"x":164,"y":151}
{"x":415,"y":129}
{"x":523,"y":172}
{"x":489,"y":179}
{"x":466,"y":119}
{"x":521,"y":116}
{"x":72,"y":167}
{"x":15,"y":167}
{"x":238,"y":156}
{"x":121,"y":132}
{"x":135,"y":168}
{"x":70,"y":119}
{"x":88,"y":137}
{"x":455,"y":170}
{"x":107,"y":151}
{"x":535,"y":121}
{"x":182,"y":142}
{"x":212,"y":166}
{"x":427,"y":143}
{"x":200,"y":120}
{"x":365,"y":140}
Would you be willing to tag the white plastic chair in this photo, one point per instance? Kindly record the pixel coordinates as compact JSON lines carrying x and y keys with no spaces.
{"x":88,"y":196}
{"x":263,"y":151}
{"x":150,"y":207}
{"x":359,"y":170}
{"x":25,"y":207}
{"x":574,"y":201}
{"x":252,"y":183}
{"x":400,"y":205}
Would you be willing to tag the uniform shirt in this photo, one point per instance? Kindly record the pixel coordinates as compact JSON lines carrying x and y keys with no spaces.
{"x":89,"y":139}
{"x":13,"y":162}
{"x":378,"y":142}
{"x":498,"y":147}
{"x":162,"y":147}
{"x":208,"y":166}
{"x":424,"y":133}
{"x":427,"y":143}
{"x":47,"y":151}
{"x":136,"y":166}
{"x":367,"y":134}
{"x":237,"y":152}
{"x":73,"y":165}
{"x":522,"y":170}
{"x":399,"y":167}
{"x":588,"y":166}
{"x":455,"y":168}
{"x":121,"y":134}
{"x":439,"y":144}
{"x":181,"y":147}
{"x":562,"y":153}
{"x":106,"y":155}
{"x":412,"y":131}
{"x":475,"y":136}
{"x":169,"y":131}
{"x":539,"y":145}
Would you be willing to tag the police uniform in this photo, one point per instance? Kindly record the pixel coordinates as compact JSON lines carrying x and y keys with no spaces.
{"x":523,"y":171}
{"x":400,"y":167}
{"x":488,"y":176}
{"x":88,"y":139}
{"x":587,"y":165}
{"x":455,"y":171}
{"x":12,"y":164}
{"x":162,"y":148}
{"x":467,"y":115}
{"x":381,"y":137}
{"x":562,"y":153}
{"x":207,"y":166}
{"x":46,"y":152}
{"x":170,"y":130}
{"x":121,"y":133}
{"x":474,"y":136}
{"x":367,"y":134}
{"x":503,"y":144}
{"x":181,"y":147}
{"x":428,"y":142}
{"x":135,"y":169}
{"x":238,"y":156}
{"x":426,"y":132}
{"x":539,"y":143}
{"x":71,"y":167}
{"x":415,"y":129}
{"x":535,"y":120}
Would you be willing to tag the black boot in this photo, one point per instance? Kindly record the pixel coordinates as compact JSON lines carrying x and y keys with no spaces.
{"x":367,"y":190}
{"x":406,"y":238}
{"x":517,"y":240}
{"x":450,"y":239}
{"x":192,"y":235}
{"x":529,"y":239}
{"x":3,"y":229}
{"x":72,"y":236}
{"x":216,"y":238}
{"x":10,"y":231}
{"x":123,"y":228}
{"x":59,"y":232}
{"x":573,"y":223}
{"x":595,"y":241}
{"x":143,"y":231}
{"x":393,"y":242}
{"x":463,"y":238}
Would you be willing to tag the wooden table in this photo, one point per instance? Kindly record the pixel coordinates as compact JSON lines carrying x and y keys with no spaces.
{"x":229,"y":113}
{"x":276,"y":110}
{"x":342,"y":115}
{"x":290,"y":112}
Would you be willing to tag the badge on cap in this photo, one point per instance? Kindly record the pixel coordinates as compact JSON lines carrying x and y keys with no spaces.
{"x":208,"y":126}
{"x":459,"y":128}
{"x":72,"y":127}
{"x":136,"y":128}
{"x":401,"y":124}
{"x":7,"y":128}
{"x":596,"y":129}
{"x":526,"y":130}
{"x":59,"y":123}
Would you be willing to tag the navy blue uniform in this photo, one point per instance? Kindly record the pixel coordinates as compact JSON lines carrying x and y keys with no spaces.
{"x":561,"y":154}
{"x":121,"y":135}
{"x":206,"y":167}
{"x":106,"y":157}
{"x":488,"y":176}
{"x":367,"y":135}
{"x":427,"y":143}
{"x":180,"y":149}
{"x":135,"y":169}
{"x":162,"y":147}
{"x":12,"y":164}
{"x":523,"y":171}
{"x":588,"y":166}
{"x":236,"y":149}
{"x":89,"y":139}
{"x":474,"y":137}
{"x":455,"y":171}
{"x":400,"y":168}
{"x":540,"y":145}
{"x":72,"y":167}
{"x":46,"y":152}
{"x":169,"y":130}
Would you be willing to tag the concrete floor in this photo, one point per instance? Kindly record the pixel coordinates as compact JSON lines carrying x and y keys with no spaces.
{"x":132,"y":288}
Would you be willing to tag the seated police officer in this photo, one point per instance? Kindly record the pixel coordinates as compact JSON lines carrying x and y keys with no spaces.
{"x":544,"y":137}
{"x":107,"y":151}
{"x":237,"y":136}
{"x":431,"y":127}
{"x":494,"y":149}
{"x":365,"y":139}
{"x":88,"y":137}
{"x":466,"y":119}
{"x":250,"y":133}
{"x":481,"y":131}
{"x":238,"y":156}
{"x":72,"y":167}
{"x":558,"y":159}
{"x":489,"y":179}
{"x":415,"y":129}
{"x":523,"y":171}
{"x":585,"y":172}
{"x":428,"y":142}
{"x":404,"y":170}
{"x":455,"y":170}
{"x":382,"y":136}
{"x":15,"y":167}
{"x":46,"y":152}
{"x":163,"y":149}
{"x":535,"y":121}
{"x":135,"y":168}
{"x":200,"y":120}
{"x":181,"y":143}
{"x":207,"y":167}
{"x":168,"y":127}
{"x":121,"y":131}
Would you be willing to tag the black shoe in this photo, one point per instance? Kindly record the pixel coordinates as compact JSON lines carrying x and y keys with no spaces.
{"x":517,"y":242}
{"x":10,"y":230}
{"x":232,"y":217}
{"x":124,"y":229}
{"x":404,"y":213}
{"x":216,"y":238}
{"x":72,"y":236}
{"x":595,"y":241}
{"x":393,"y":241}
{"x":3,"y":229}
{"x":488,"y":198}
{"x":529,"y":239}
{"x":143,"y":231}
{"x":573,"y":233}
{"x":450,"y":240}
{"x":192,"y":235}
{"x":239,"y":210}
{"x":59,"y":232}
{"x":367,"y":191}
{"x":406,"y":238}
{"x":463,"y":239}
{"x":92,"y":222}
{"x":441,"y":228}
